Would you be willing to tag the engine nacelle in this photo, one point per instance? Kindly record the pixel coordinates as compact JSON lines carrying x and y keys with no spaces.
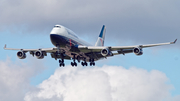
{"x":21,"y":55}
{"x":138,"y":51}
{"x":105,"y":52}
{"x":39,"y":54}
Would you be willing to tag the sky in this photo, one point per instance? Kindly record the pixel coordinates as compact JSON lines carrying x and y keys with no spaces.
{"x":152,"y":76}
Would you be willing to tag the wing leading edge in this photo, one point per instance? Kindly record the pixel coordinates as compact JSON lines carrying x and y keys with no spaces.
{"x":94,"y":49}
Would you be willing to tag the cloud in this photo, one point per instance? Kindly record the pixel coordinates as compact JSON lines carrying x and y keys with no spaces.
{"x":15,"y":79}
{"x":137,"y":21}
{"x":107,"y":83}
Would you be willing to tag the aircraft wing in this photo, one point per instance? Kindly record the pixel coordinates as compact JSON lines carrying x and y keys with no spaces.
{"x":90,"y":51}
{"x":44,"y":50}
{"x":142,"y":46}
{"x":49,"y":50}
{"x":119,"y":49}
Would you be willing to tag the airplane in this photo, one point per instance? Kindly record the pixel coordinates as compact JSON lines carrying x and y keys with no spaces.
{"x":68,"y":46}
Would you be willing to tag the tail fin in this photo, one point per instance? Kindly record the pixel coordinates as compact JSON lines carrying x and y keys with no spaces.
{"x":100,"y":40}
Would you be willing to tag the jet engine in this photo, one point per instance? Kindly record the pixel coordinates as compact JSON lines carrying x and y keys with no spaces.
{"x":105,"y":52}
{"x":21,"y":55}
{"x":39,"y":54}
{"x":138,"y":51}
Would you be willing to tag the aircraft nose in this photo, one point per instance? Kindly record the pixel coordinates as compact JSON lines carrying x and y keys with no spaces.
{"x":57,"y":39}
{"x":55,"y":31}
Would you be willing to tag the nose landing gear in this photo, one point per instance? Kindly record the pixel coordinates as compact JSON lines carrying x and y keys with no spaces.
{"x":61,"y":54}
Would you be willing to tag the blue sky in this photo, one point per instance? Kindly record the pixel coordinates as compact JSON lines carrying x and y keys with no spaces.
{"x":162,"y":59}
{"x":127,"y":23}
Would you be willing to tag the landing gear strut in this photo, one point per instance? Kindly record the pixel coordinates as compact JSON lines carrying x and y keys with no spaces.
{"x":61,"y":62}
{"x":74,"y":62}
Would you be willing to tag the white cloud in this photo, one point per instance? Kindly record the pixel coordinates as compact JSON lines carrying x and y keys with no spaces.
{"x":15,"y":79}
{"x":107,"y":83}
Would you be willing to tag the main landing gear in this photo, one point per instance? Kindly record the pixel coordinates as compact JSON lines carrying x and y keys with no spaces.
{"x":61,"y":63}
{"x":84,"y":63}
{"x":74,"y":62}
{"x":92,"y":63}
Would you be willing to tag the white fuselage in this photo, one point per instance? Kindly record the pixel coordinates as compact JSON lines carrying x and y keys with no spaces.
{"x":63,"y":36}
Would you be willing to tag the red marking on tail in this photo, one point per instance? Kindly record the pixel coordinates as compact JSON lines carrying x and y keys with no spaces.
{"x":101,"y":42}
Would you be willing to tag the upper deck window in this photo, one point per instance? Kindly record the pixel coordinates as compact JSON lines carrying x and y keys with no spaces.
{"x":71,"y":33}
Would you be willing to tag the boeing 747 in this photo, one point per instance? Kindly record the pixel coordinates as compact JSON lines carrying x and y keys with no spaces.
{"x":68,"y":46}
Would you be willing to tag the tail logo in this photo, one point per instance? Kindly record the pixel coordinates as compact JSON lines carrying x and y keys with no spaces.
{"x":101,"y":42}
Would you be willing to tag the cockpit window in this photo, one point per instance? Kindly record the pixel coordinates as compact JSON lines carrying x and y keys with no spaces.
{"x":57,"y":26}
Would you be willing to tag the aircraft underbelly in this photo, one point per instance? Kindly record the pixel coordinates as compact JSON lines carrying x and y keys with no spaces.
{"x":69,"y":47}
{"x":58,"y":40}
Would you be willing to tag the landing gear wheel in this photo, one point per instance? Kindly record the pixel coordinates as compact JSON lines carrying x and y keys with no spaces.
{"x":72,"y":64}
{"x":75,"y":63}
{"x":90,"y":64}
{"x":61,"y":64}
{"x":94,"y":64}
{"x":82,"y":63}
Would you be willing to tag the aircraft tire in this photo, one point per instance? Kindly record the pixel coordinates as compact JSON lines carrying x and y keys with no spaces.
{"x":90,"y":64}
{"x":94,"y":64}
{"x":82,"y":63}
{"x":72,"y":64}
{"x":75,"y":63}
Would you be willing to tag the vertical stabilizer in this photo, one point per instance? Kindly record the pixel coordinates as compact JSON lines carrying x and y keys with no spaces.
{"x":100,"y":40}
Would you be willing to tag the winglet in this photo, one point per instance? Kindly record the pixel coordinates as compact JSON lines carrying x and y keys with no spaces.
{"x":174,"y":42}
{"x":5,"y":46}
